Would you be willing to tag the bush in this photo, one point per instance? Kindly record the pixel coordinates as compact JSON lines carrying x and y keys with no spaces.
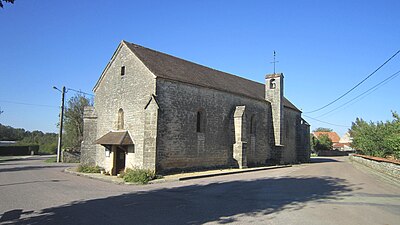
{"x":140,"y":176}
{"x":48,"y":148}
{"x":89,"y":169}
{"x":380,"y":139}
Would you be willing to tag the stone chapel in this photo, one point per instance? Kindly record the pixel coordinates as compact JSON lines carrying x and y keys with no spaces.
{"x":159,"y":112}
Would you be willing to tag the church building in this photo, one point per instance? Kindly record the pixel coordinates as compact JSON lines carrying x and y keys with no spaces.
{"x":156,"y":111}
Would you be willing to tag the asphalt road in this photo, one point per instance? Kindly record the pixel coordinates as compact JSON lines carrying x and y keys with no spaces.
{"x":328,"y":191}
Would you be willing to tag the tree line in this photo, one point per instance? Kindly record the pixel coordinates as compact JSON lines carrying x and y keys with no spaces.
{"x":72,"y":134}
{"x":47,"y":141}
{"x":381,"y":139}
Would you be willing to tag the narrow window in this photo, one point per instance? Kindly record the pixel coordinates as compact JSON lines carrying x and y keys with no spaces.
{"x":199,"y":120}
{"x":122,"y":70}
{"x":120,"y":119}
{"x":253,"y":125}
{"x":272,"y":84}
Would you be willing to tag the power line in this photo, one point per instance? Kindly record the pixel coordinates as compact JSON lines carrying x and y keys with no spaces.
{"x":367,"y":92}
{"x":79,"y":91}
{"x":31,"y":104}
{"x":337,"y":99}
{"x":42,"y":105}
{"x":326,"y":122}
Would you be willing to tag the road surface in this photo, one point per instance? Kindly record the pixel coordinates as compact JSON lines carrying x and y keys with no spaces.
{"x":327,"y":191}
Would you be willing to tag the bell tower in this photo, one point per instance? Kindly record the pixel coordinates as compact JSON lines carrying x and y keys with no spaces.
{"x":274,"y":95}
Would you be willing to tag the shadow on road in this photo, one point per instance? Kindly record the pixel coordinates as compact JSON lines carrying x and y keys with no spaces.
{"x":196,"y":204}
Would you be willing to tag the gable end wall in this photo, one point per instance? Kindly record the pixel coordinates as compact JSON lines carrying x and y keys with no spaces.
{"x":130,"y":92}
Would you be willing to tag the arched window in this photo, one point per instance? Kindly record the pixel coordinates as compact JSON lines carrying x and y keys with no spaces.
{"x":253,"y":125}
{"x":272,"y":84}
{"x":120,"y":119}
{"x":200,"y":122}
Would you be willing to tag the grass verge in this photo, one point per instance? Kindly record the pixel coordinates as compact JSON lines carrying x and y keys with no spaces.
{"x":51,"y":160}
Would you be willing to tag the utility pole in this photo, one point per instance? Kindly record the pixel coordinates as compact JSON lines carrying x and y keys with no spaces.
{"x":61,"y":123}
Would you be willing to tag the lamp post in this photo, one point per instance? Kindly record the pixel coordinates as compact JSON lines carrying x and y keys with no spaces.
{"x":61,"y":122}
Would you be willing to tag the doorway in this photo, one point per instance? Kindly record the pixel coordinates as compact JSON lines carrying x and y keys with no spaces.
{"x":120,"y":155}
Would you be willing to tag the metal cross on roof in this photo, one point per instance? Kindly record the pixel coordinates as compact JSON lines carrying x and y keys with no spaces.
{"x":274,"y":62}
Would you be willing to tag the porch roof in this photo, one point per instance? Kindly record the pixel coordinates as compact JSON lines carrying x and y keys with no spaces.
{"x":115,"y":138}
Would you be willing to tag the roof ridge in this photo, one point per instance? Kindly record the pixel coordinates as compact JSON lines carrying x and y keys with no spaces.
{"x":166,"y":66}
{"x":195,"y":63}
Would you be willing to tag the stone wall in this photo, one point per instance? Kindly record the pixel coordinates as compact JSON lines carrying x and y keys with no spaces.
{"x":131,"y":92}
{"x":303,"y":147}
{"x":390,"y":169}
{"x":71,"y":156}
{"x":179,"y":144}
{"x":88,"y":147}
{"x":289,"y":154}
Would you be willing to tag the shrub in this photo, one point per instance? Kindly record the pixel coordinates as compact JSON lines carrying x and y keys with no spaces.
{"x":89,"y":169}
{"x":48,"y":148}
{"x":140,"y":176}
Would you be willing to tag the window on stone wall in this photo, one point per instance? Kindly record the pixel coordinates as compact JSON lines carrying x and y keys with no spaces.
{"x":200,"y":122}
{"x":120,"y":119}
{"x":272,"y":84}
{"x":122,"y":70}
{"x":253,"y":125}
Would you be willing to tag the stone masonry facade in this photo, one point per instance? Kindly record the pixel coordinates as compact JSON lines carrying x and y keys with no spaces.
{"x":178,"y":125}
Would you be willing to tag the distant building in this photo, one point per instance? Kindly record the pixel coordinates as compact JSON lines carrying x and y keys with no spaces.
{"x":339,"y":143}
{"x":159,"y":112}
{"x":345,"y":142}
{"x":332,"y":135}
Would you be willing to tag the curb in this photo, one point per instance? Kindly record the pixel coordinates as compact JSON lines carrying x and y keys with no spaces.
{"x":232,"y":172}
{"x":162,"y":180}
{"x":69,"y":170}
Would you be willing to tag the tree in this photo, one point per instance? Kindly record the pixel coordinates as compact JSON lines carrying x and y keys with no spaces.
{"x":8,"y":1}
{"x":8,"y":133}
{"x":73,"y":123}
{"x":381,"y":139}
{"x":322,"y":142}
{"x":47,"y":141}
{"x":322,"y":129}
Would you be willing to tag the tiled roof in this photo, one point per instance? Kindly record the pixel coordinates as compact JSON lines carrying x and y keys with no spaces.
{"x":332,"y":135}
{"x":173,"y":68}
{"x":115,"y":138}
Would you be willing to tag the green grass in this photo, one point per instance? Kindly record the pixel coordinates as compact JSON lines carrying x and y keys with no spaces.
{"x":314,"y":155}
{"x":51,"y":160}
{"x":139,"y":176}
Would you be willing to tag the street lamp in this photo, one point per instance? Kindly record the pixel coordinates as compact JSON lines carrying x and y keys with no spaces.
{"x":61,"y":122}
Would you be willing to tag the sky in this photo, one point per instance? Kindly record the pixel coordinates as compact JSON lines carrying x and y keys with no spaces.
{"x":324,"y":48}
